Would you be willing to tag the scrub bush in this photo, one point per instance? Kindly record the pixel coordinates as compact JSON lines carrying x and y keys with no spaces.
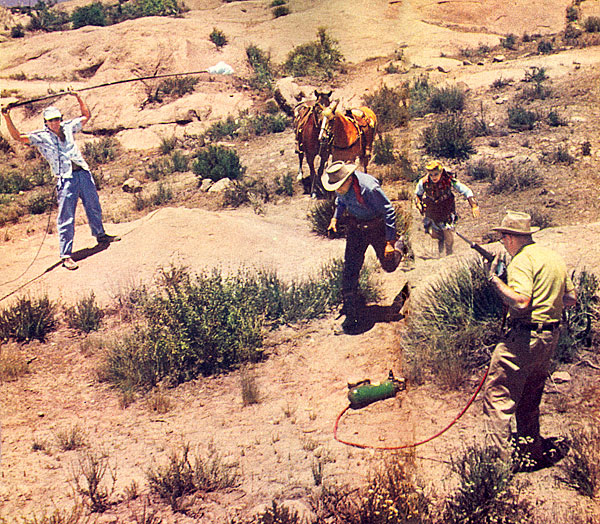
{"x":592,"y":24}
{"x":281,"y":10}
{"x":28,"y":318}
{"x":517,"y":176}
{"x":484,"y":495}
{"x":521,"y":119}
{"x":218,"y":38}
{"x":576,"y":330}
{"x":101,"y":151}
{"x":217,"y":162}
{"x":580,"y":469}
{"x":204,"y":324}
{"x":448,"y":138}
{"x":390,"y":106}
{"x":184,"y":475}
{"x":44,"y":17}
{"x":320,"y":58}
{"x":260,"y":62}
{"x":383,"y":150}
{"x":92,"y":14}
{"x":14,"y":182}
{"x":446,"y":99}
{"x":86,"y":315}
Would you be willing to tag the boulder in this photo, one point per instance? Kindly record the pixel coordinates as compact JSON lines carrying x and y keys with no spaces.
{"x":131,"y":185}
{"x":220,"y":185}
{"x":288,"y":93}
{"x":206,"y":184}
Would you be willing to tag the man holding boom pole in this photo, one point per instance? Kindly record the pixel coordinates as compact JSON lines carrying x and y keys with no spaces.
{"x":56,"y":144}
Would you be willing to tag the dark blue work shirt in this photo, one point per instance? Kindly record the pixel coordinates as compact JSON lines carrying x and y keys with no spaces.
{"x":376,"y":204}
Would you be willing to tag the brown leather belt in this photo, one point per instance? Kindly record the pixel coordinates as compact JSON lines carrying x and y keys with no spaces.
{"x":535,"y":326}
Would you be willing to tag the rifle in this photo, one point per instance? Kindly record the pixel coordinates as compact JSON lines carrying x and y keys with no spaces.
{"x":500,"y":268}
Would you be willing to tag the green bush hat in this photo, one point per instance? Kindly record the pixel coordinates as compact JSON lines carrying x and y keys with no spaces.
{"x":336,"y":174}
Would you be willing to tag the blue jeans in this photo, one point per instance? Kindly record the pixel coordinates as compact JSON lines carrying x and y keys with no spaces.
{"x":70,"y":190}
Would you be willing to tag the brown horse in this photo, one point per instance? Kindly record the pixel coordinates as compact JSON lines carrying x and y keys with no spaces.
{"x":307,"y":122}
{"x":349,"y":136}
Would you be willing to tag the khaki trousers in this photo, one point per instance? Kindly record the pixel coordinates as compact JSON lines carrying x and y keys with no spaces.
{"x":514,"y":386}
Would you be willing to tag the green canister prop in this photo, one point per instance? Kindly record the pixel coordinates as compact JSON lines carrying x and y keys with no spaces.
{"x":364,"y":393}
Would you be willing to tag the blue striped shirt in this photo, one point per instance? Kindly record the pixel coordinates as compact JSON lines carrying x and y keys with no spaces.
{"x":60,"y":154}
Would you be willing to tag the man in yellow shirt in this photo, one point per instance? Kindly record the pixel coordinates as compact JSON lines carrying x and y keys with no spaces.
{"x":538,"y":287}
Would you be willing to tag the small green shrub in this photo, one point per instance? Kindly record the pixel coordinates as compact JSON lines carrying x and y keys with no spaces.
{"x":592,"y":24}
{"x":17,"y":31}
{"x":168,"y":144}
{"x":446,"y":99}
{"x":101,"y":152}
{"x":158,"y":169}
{"x":218,"y":38}
{"x":92,"y":14}
{"x":260,"y":62}
{"x":276,"y":3}
{"x":448,"y":138}
{"x":176,"y":87}
{"x":217,"y":162}
{"x":247,"y":190}
{"x":562,"y":156}
{"x":545,"y":47}
{"x":321,"y":58}
{"x":224,"y":128}
{"x":484,"y":495}
{"x":383,"y":150}
{"x":71,"y":438}
{"x":179,"y":161}
{"x":521,"y":119}
{"x":27,"y":319}
{"x":390,"y":106}
{"x":576,"y":330}
{"x":40,"y":203}
{"x":555,"y":119}
{"x":285,"y":185}
{"x":85,"y":315}
{"x":419,"y":96}
{"x":586,"y":148}
{"x":161,"y":196}
{"x":580,"y":469}
{"x":509,"y":41}
{"x":14,"y":182}
{"x":44,"y":17}
{"x":500,"y":82}
{"x":572,"y":13}
{"x":281,"y":10}
{"x":535,"y":74}
{"x":540,"y":217}
{"x":520,"y":175}
{"x":481,"y":170}
{"x":320,"y":216}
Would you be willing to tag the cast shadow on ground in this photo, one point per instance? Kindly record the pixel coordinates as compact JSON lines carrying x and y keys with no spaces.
{"x":372,"y":314}
{"x":81,"y":254}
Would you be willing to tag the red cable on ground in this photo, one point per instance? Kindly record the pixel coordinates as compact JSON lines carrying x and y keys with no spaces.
{"x":415,"y":444}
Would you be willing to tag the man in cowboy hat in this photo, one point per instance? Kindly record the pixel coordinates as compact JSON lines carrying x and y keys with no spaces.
{"x":372,"y":221}
{"x":74,"y":181}
{"x":435,"y":200}
{"x":537,"y":289}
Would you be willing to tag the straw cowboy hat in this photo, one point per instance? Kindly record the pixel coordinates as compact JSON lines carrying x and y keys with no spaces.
{"x":516,"y":223}
{"x":336,"y":174}
{"x":434,"y":164}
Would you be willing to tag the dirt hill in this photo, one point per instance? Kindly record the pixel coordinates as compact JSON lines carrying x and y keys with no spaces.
{"x":279,"y":442}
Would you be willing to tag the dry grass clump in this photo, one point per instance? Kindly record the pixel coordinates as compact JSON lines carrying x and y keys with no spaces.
{"x":580,"y":469}
{"x":13,"y":363}
{"x":184,"y":475}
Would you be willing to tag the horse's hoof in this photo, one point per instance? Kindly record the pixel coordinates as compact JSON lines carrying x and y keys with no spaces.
{"x":313,"y":196}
